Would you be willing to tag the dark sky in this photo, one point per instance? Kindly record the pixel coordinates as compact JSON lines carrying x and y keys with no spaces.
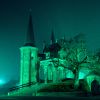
{"x":65,"y":17}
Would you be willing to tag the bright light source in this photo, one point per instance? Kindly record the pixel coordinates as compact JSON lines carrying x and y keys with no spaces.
{"x":2,"y":82}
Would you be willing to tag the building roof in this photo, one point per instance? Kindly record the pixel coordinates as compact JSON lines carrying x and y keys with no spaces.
{"x":52,"y":48}
{"x":30,"y":34}
{"x":52,"y":38}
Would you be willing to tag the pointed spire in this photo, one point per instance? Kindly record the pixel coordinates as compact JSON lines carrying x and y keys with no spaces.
{"x":52,"y":37}
{"x":30,"y":34}
{"x":45,"y":47}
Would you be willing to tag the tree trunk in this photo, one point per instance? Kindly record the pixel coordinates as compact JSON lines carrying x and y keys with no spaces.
{"x":76,"y":79}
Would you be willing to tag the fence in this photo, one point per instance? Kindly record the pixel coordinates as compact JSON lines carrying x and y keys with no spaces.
{"x":21,"y":86}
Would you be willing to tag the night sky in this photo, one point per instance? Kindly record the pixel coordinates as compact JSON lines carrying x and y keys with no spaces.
{"x":65,"y":17}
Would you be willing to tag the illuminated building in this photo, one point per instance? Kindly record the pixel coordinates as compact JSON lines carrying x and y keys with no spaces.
{"x":52,"y":70}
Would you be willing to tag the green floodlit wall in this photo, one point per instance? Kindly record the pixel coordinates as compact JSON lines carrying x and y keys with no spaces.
{"x":69,"y":74}
{"x":90,"y":78}
{"x":48,"y":71}
{"x":29,"y":60}
{"x":81,"y":75}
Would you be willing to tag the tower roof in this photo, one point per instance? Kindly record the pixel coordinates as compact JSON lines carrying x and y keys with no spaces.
{"x":30,"y":34}
{"x":52,"y":37}
{"x":45,"y":47}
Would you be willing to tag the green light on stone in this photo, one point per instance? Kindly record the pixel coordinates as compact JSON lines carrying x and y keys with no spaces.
{"x":69,"y":74}
{"x":81,"y":75}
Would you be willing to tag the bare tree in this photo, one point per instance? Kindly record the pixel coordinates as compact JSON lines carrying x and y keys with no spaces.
{"x":76,"y":56}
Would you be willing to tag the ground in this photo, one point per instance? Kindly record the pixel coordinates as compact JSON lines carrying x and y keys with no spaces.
{"x":49,"y":98}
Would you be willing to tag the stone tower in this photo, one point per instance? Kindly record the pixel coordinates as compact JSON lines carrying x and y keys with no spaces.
{"x":29,"y":57}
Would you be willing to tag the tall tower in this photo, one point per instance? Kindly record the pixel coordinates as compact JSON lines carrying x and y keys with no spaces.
{"x":29,"y":57}
{"x":52,"y":38}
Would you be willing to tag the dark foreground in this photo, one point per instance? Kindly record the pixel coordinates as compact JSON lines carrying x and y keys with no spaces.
{"x":49,"y":98}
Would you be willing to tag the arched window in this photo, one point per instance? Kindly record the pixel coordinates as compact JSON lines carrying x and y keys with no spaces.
{"x":65,"y":72}
{"x":95,"y":87}
{"x":60,"y":73}
{"x":41,"y":72}
{"x":50,"y":72}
